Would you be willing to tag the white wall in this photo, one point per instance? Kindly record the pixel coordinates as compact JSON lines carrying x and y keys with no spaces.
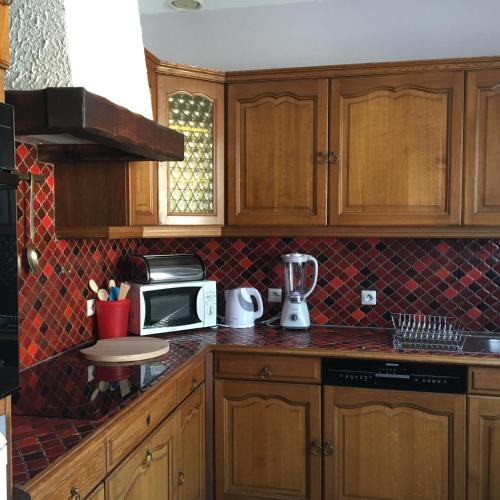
{"x":325,"y":32}
{"x":94,"y":44}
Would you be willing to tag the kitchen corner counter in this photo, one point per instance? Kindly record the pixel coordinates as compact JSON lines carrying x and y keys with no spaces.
{"x":61,"y":403}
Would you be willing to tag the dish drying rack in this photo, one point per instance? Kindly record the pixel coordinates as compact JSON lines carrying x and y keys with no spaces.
{"x":434,"y":333}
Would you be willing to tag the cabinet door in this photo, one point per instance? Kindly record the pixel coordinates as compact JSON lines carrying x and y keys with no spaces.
{"x":263,"y":437}
{"x":191,"y":446}
{"x":97,"y":494}
{"x":394,"y":445}
{"x":143,"y":175}
{"x":4,"y":45}
{"x":484,"y":448}
{"x":398,"y":141}
{"x":482,"y":151}
{"x":276,"y":131}
{"x":192,"y":191}
{"x":149,"y":471}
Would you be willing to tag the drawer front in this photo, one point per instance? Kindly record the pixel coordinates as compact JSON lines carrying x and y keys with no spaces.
{"x":78,"y":476}
{"x":268,"y":367}
{"x":190,"y":379}
{"x":484,"y":381}
{"x":129,"y":431}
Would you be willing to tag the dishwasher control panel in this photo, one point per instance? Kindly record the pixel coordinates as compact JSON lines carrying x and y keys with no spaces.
{"x":425,"y":377}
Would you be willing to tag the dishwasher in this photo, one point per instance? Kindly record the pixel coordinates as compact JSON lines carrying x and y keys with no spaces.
{"x":393,"y":430}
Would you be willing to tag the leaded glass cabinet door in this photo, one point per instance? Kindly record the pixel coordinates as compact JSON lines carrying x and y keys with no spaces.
{"x":192,"y":191}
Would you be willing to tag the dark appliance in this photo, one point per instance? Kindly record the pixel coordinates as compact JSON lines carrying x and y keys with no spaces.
{"x":9,"y":338}
{"x":401,"y":376}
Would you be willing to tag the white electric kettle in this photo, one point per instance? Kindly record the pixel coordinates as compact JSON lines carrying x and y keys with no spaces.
{"x":240,"y":311}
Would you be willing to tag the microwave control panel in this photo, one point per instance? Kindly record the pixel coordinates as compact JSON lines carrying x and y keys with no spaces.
{"x":210,"y":304}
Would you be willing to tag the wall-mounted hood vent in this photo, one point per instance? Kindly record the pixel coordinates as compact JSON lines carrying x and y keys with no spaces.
{"x":72,"y":124}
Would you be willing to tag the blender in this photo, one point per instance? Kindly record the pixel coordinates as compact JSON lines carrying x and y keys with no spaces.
{"x":295,"y":313}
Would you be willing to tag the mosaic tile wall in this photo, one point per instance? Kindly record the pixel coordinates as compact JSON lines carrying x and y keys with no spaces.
{"x":454,"y":277}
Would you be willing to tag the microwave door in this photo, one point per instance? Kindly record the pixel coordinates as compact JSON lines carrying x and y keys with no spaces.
{"x":200,"y":305}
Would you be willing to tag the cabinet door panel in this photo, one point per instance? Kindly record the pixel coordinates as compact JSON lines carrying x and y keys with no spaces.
{"x":275,"y":132}
{"x":399,"y":141}
{"x":192,"y":191}
{"x":263,"y":437}
{"x":394,"y":445}
{"x":482,"y":160}
{"x":143,"y":193}
{"x":191,"y":439}
{"x":484,"y":448}
{"x":138,"y":478}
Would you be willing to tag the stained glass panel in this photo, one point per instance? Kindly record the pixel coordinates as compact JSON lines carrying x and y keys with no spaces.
{"x":191,"y":182}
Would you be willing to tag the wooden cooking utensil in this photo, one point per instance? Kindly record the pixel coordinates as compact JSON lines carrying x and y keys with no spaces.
{"x":102,"y":295}
{"x":124,"y":288}
{"x":93,"y":286}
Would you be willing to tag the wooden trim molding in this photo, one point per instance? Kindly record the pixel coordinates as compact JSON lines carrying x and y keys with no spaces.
{"x":186,"y":71}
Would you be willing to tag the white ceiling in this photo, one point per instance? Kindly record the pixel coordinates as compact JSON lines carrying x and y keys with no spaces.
{"x":162,"y":6}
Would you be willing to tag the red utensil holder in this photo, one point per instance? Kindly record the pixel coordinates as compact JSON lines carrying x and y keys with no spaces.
{"x":112,"y":318}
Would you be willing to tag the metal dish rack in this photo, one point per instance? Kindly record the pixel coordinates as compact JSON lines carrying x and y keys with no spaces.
{"x":431,"y":333}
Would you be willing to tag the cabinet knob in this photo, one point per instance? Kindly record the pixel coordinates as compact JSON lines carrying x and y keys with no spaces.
{"x":194,"y":384}
{"x":327,"y":448}
{"x":322,"y":157}
{"x":148,"y":419}
{"x":180,"y":477}
{"x":265,"y":373}
{"x":149,"y":458}
{"x":333,"y":157}
{"x":316,"y":447}
{"x":74,"y":493}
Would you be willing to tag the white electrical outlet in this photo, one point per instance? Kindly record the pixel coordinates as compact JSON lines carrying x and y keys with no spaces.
{"x":90,"y":307}
{"x":274,"y":295}
{"x":368,"y":298}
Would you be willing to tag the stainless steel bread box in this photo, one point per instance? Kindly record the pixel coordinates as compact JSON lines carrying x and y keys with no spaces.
{"x":150,"y":269}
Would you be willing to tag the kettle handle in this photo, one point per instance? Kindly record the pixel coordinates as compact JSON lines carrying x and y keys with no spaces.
{"x":260,"y":306}
{"x":310,"y":258}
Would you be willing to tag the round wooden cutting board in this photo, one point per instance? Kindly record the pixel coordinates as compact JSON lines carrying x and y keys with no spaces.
{"x":125,"y":349}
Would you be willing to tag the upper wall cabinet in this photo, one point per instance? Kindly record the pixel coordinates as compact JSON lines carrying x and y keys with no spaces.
{"x":398,"y":148}
{"x":192,"y":191}
{"x":482,"y":152}
{"x":277,"y":152}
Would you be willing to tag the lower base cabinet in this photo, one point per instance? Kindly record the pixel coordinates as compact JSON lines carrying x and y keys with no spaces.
{"x":393,"y":445}
{"x":484,"y":448}
{"x":149,"y":472}
{"x":267,"y":439}
{"x":98,"y":494}
{"x":169,"y":464}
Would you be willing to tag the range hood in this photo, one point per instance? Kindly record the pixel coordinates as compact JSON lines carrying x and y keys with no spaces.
{"x":73,"y":124}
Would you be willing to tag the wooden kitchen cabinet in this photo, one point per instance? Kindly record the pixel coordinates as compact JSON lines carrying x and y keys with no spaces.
{"x":484,"y":448}
{"x":277,"y":152}
{"x":393,"y":444}
{"x":98,"y":494}
{"x":266,"y":441}
{"x":397,"y":141}
{"x":482,"y":150}
{"x":150,"y":471}
{"x":4,"y":46}
{"x":192,"y":191}
{"x":191,"y":447}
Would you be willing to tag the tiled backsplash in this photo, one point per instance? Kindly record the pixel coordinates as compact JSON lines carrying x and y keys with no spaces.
{"x":454,"y":277}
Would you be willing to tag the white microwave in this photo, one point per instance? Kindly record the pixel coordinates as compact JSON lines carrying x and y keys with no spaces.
{"x":172,"y":307}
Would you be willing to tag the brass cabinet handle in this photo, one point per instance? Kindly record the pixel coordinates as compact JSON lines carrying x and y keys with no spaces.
{"x":327,"y":448}
{"x":265,"y":373}
{"x":74,"y":493}
{"x":322,"y":157}
{"x":194,"y":384}
{"x":180,"y":477}
{"x":333,"y":157}
{"x":149,"y":458}
{"x":316,"y":447}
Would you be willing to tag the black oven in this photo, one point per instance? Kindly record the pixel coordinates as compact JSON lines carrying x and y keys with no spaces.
{"x":9,"y":328}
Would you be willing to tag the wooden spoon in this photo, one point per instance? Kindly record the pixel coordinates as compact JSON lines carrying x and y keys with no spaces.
{"x":32,"y":253}
{"x":93,"y":286}
{"x":102,"y":295}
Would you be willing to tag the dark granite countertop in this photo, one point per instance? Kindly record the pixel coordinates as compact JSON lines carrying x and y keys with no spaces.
{"x":65,"y":399}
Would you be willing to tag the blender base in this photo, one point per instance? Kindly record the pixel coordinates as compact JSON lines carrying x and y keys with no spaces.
{"x":295,"y":315}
